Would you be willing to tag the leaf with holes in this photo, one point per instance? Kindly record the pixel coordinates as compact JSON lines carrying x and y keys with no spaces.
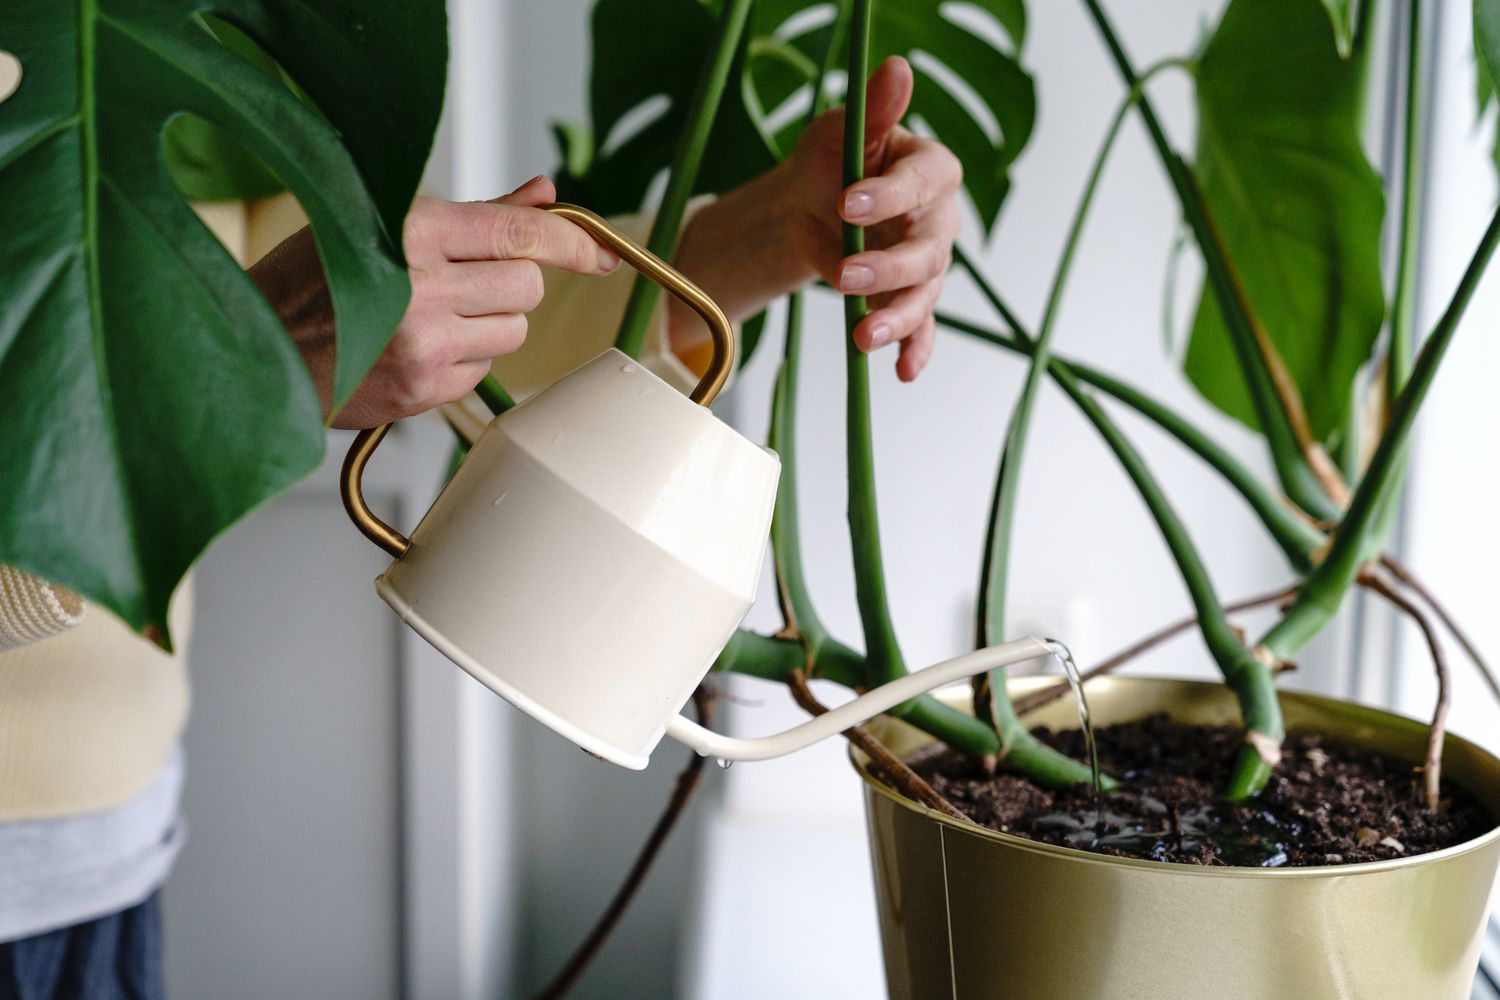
{"x":644,"y":69}
{"x":970,"y":91}
{"x":1298,"y":206}
{"x":149,"y":396}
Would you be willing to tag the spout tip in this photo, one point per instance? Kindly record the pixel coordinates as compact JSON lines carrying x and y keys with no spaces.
{"x":1058,"y":648}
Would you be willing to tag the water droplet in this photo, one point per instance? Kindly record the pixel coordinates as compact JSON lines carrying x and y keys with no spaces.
{"x":631,"y":369}
{"x":724,"y":765}
{"x":503,"y":494}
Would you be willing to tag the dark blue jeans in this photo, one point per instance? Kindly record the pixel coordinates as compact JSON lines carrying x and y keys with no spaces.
{"x":117,"y":957}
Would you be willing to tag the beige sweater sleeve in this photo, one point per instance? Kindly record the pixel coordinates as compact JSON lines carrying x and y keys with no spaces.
{"x":31,"y":609}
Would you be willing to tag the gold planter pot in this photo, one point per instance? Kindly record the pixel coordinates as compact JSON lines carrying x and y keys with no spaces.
{"x":966,"y":912}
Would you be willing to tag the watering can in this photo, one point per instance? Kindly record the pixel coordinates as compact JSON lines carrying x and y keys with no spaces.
{"x":598,"y":547}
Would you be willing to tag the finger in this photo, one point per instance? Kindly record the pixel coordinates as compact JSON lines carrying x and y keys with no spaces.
{"x":910,"y":262}
{"x":534,"y":193}
{"x":887,"y":96}
{"x":495,"y":231}
{"x":923,"y":175}
{"x":916,"y":350}
{"x":429,"y":219}
{"x":899,"y":319}
{"x":483,"y":338}
{"x":483,"y":287}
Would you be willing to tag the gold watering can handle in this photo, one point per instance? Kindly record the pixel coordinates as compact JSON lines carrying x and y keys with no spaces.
{"x":638,"y":257}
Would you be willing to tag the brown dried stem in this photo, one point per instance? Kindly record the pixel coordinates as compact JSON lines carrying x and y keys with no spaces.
{"x":1403,"y":573}
{"x":1432,"y":764}
{"x":1046,"y":696}
{"x":682,"y":791}
{"x":883,"y":764}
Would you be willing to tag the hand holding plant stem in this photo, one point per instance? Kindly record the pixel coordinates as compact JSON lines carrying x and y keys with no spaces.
{"x":781,"y":230}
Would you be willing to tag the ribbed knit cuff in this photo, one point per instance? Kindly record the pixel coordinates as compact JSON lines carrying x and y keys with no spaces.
{"x":33,"y":609}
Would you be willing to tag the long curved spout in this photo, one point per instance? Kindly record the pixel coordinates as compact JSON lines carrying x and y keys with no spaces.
{"x":862,"y":709}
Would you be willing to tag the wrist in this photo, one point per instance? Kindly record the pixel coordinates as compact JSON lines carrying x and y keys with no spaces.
{"x":290,"y":276}
{"x":749,"y":246}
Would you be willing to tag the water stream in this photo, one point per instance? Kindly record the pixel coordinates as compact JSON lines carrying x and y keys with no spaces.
{"x":1085,"y":724}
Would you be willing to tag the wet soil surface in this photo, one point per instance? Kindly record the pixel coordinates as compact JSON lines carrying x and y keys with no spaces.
{"x":1326,"y":804}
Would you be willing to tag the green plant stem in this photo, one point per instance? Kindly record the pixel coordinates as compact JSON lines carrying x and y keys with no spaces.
{"x":686,"y":160}
{"x":1403,"y":305}
{"x":774,"y":658}
{"x":1296,"y":538}
{"x":1021,"y":749}
{"x":1296,"y":476}
{"x":786,"y":532}
{"x":1398,"y":361}
{"x":882,"y":653}
{"x":1006,"y":314}
{"x":1324,"y":590}
{"x":494,"y":395}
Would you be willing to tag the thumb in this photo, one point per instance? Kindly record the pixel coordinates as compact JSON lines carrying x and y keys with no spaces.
{"x":537,"y":191}
{"x":887,"y":96}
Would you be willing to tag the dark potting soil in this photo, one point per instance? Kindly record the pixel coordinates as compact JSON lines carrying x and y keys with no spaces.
{"x":1325,"y":805}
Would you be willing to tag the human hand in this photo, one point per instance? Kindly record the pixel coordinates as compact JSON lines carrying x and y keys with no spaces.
{"x":475,"y":272}
{"x":907,"y":202}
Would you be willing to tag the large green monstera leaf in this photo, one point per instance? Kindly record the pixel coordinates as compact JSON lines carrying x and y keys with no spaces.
{"x":970,"y":91}
{"x":148,"y":395}
{"x":1297,"y":205}
{"x":646,"y":62}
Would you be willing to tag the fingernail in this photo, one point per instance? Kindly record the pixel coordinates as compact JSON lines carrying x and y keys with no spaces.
{"x":608,"y":260}
{"x":856,"y":277}
{"x":858,"y":205}
{"x":880,"y":336}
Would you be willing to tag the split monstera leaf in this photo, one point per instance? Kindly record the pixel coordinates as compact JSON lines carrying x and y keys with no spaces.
{"x":149,"y":397}
{"x":970,"y":90}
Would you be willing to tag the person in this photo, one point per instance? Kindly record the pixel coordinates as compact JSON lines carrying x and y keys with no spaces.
{"x":90,"y":718}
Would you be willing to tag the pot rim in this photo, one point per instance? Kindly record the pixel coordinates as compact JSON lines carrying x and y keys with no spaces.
{"x":1204,"y":871}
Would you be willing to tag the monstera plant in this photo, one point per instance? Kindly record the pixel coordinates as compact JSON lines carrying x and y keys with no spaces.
{"x":149,"y":396}
{"x":1295,"y":334}
{"x":1292,"y":335}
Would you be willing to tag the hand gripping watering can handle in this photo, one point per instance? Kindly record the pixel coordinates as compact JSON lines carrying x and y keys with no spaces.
{"x":862,"y":709}
{"x":638,"y":257}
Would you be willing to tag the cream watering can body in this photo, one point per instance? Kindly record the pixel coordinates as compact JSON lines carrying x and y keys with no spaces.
{"x":597,"y":548}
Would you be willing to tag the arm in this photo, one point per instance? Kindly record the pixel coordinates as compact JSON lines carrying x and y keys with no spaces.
{"x":781,"y":230}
